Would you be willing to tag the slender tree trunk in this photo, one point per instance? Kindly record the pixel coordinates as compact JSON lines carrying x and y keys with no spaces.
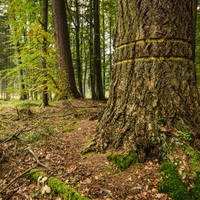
{"x":91,"y":47}
{"x":66,"y":71}
{"x":104,"y":49}
{"x":97,"y":53}
{"x":44,"y":51}
{"x":153,"y":96}
{"x":78,"y":55}
{"x":111,"y":41}
{"x":194,"y":11}
{"x":23,"y":94}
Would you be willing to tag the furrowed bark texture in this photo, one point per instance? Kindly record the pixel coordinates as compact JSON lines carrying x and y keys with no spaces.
{"x":153,"y":86}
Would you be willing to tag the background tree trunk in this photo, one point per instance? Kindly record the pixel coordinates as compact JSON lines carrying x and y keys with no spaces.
{"x":44,"y":50}
{"x":153,"y":95}
{"x":63,"y":50}
{"x":78,"y":54}
{"x":91,"y":50}
{"x":97,"y":54}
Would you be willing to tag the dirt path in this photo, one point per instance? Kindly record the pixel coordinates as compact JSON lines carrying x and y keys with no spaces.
{"x":57,"y":135}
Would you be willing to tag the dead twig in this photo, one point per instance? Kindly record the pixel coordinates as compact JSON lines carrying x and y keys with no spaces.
{"x":36,"y":158}
{"x":14,"y":136}
{"x":108,"y":192}
{"x":13,"y":180}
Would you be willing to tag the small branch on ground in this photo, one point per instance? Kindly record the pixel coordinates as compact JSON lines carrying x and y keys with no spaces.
{"x":14,"y":136}
{"x":108,"y":192}
{"x":36,"y":158}
{"x":16,"y":178}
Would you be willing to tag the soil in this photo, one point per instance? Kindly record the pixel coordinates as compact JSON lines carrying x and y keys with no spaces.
{"x":56,"y":135}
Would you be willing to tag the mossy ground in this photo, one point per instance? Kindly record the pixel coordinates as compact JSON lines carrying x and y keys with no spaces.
{"x":181,"y":178}
{"x":91,"y":175}
{"x":123,"y":161}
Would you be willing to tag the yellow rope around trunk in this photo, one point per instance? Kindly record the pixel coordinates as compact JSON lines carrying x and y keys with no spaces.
{"x":152,"y":40}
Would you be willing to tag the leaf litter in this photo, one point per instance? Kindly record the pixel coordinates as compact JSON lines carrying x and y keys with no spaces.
{"x":57,"y":136}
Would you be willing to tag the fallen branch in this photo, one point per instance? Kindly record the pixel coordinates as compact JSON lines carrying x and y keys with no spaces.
{"x":108,"y":192}
{"x":36,"y":158}
{"x":13,"y":180}
{"x":14,"y":136}
{"x":56,"y":185}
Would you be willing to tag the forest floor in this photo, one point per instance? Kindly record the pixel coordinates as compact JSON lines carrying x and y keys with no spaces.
{"x":56,"y":135}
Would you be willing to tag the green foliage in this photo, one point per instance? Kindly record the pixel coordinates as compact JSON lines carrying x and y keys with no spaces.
{"x":33,"y":136}
{"x":174,"y":186}
{"x":123,"y":161}
{"x":185,"y":135}
{"x":27,"y":37}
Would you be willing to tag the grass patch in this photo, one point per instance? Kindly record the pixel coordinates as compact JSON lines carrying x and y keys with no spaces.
{"x":33,"y":136}
{"x":70,"y":127}
{"x":18,"y":103}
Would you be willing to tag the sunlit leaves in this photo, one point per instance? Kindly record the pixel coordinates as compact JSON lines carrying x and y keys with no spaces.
{"x":27,"y":36}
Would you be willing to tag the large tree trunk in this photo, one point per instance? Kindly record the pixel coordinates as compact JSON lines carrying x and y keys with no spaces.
{"x":153,"y":96}
{"x":66,"y":70}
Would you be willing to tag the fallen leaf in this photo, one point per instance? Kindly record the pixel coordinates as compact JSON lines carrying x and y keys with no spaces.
{"x":154,"y":190}
{"x":43,"y":180}
{"x":46,"y":189}
{"x":130,"y":197}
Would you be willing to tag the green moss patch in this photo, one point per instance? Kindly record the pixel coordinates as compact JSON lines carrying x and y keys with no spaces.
{"x":175,"y":187}
{"x":57,"y":186}
{"x":194,"y":159}
{"x":123,"y":161}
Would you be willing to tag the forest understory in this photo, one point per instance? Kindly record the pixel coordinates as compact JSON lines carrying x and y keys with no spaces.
{"x":51,"y":140}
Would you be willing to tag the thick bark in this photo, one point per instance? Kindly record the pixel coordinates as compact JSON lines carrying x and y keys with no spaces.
{"x":66,"y":70}
{"x":153,"y":92}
